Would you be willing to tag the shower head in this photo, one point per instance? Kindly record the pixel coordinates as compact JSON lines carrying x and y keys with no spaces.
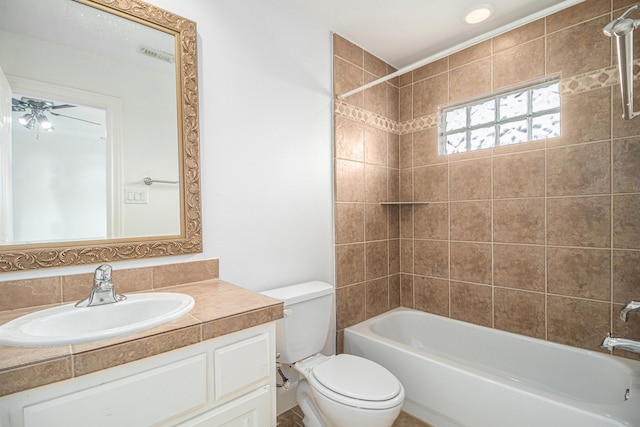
{"x":622,"y":28}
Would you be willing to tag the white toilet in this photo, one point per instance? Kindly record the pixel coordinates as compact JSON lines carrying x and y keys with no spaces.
{"x":333,"y":391}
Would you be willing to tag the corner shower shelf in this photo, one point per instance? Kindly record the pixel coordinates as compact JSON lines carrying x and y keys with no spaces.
{"x":403,"y":203}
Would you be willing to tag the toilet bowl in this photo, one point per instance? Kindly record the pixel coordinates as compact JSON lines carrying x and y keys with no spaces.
{"x":347,"y":391}
{"x":333,"y":391}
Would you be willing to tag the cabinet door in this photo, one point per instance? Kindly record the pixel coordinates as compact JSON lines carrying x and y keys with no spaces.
{"x":251,"y":410}
{"x":139,"y":400}
{"x":241,"y":365}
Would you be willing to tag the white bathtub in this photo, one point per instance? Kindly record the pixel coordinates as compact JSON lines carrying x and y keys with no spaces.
{"x":456,"y":374}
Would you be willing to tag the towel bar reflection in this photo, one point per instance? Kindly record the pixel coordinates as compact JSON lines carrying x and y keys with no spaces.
{"x":150,"y":181}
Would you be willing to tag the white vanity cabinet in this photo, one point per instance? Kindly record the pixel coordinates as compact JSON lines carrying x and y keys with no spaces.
{"x":227,"y":381}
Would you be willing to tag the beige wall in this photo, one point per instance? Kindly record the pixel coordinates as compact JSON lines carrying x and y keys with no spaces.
{"x":541,"y":238}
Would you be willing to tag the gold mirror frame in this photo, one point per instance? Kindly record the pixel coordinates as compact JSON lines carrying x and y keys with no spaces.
{"x":28,"y":257}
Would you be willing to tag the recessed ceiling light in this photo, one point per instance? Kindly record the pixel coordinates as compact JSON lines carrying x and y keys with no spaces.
{"x":478,"y":13}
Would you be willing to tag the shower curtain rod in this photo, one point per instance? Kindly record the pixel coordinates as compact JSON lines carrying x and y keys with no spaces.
{"x":464,"y":45}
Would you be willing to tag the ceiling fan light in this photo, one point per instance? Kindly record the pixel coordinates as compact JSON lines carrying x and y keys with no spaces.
{"x":25,"y":119}
{"x":44,"y":122}
{"x":478,"y":13}
{"x":31,"y":124}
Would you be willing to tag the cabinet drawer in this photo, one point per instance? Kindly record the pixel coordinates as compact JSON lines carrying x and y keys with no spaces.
{"x":141,"y":399}
{"x":240,"y":365}
{"x":251,"y":410}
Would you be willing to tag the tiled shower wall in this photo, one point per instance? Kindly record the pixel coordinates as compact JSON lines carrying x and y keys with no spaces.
{"x":540,"y":238}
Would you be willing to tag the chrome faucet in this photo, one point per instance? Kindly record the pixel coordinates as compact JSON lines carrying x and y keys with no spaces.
{"x":610,"y":343}
{"x":103,"y":292}
{"x":632,"y":306}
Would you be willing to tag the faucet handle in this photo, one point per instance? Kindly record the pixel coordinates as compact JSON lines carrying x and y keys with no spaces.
{"x":631,"y":306}
{"x":103,"y":273}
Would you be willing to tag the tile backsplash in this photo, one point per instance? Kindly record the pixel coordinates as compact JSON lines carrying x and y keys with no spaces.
{"x":539,"y":238}
{"x":62,"y":289}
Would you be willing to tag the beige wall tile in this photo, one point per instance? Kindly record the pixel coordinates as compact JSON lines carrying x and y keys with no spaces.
{"x":376,"y":222}
{"x":470,"y":179}
{"x":374,"y":65}
{"x":626,"y":221}
{"x":579,"y":49}
{"x":425,"y":148}
{"x":520,"y":312}
{"x":431,"y":258}
{"x":376,"y":185}
{"x":429,"y":70}
{"x":577,"y":322}
{"x":428,"y":94}
{"x":349,"y":264}
{"x":519,"y":175}
{"x":523,"y":34}
{"x":579,"y":221}
{"x":348,"y":77}
{"x":406,"y":151}
{"x":596,"y":105}
{"x":393,"y":185}
{"x":470,"y":80}
{"x":349,"y":139}
{"x":519,"y":221}
{"x":432,"y":295}
{"x":521,"y":63}
{"x":624,"y":128}
{"x":406,"y":291}
{"x":394,"y":291}
{"x":519,"y":266}
{"x":576,"y":14}
{"x":626,"y":276}
{"x":375,"y":98}
{"x":431,"y":221}
{"x":377,"y":297}
{"x":394,"y":256}
{"x":579,"y":170}
{"x":576,"y":272}
{"x":405,"y":103}
{"x":349,"y":222}
{"x":470,"y":54}
{"x":406,"y":255}
{"x":471,"y":221}
{"x":377,"y":259}
{"x":471,"y":303}
{"x":350,"y":305}
{"x":30,"y":293}
{"x":431,"y":183}
{"x":471,"y":262}
{"x":185,"y":272}
{"x":348,"y":51}
{"x":349,"y":181}
{"x":626,"y":164}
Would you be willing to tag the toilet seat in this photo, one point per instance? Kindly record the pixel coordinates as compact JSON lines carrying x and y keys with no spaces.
{"x":356,"y":382}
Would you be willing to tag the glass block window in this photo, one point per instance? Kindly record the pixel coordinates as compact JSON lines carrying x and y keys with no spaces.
{"x":527,"y":114}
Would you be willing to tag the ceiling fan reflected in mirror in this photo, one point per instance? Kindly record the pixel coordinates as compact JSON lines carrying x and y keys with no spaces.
{"x":35,"y":110}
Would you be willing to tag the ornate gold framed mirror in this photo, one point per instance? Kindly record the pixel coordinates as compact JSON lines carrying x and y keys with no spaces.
{"x":100,"y":158}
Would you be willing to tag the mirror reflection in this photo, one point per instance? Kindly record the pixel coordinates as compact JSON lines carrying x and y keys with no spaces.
{"x":89,"y":110}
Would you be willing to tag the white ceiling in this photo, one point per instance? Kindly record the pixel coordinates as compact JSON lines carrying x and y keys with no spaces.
{"x":402,"y":32}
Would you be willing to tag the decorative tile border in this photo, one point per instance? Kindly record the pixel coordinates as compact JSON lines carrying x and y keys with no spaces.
{"x":361,"y":115}
{"x":585,"y":82}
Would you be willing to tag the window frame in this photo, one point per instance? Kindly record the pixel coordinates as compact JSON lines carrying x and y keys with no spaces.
{"x":468,"y":128}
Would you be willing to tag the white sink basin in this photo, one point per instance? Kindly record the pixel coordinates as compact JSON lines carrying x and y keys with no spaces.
{"x":68,"y":324}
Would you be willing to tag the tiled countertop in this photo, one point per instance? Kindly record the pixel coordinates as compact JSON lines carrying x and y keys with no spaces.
{"x":220,"y":308}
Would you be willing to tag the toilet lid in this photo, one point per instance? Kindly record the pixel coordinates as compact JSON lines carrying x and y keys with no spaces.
{"x":357,"y":378}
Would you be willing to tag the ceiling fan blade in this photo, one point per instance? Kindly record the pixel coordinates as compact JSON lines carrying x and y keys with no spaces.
{"x":55,"y":107}
{"x":74,"y":118}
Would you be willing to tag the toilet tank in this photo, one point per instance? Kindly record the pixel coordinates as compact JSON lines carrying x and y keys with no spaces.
{"x":307,"y":314}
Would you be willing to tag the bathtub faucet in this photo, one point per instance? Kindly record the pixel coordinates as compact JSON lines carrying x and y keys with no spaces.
{"x":610,"y":343}
{"x":632,"y":306}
